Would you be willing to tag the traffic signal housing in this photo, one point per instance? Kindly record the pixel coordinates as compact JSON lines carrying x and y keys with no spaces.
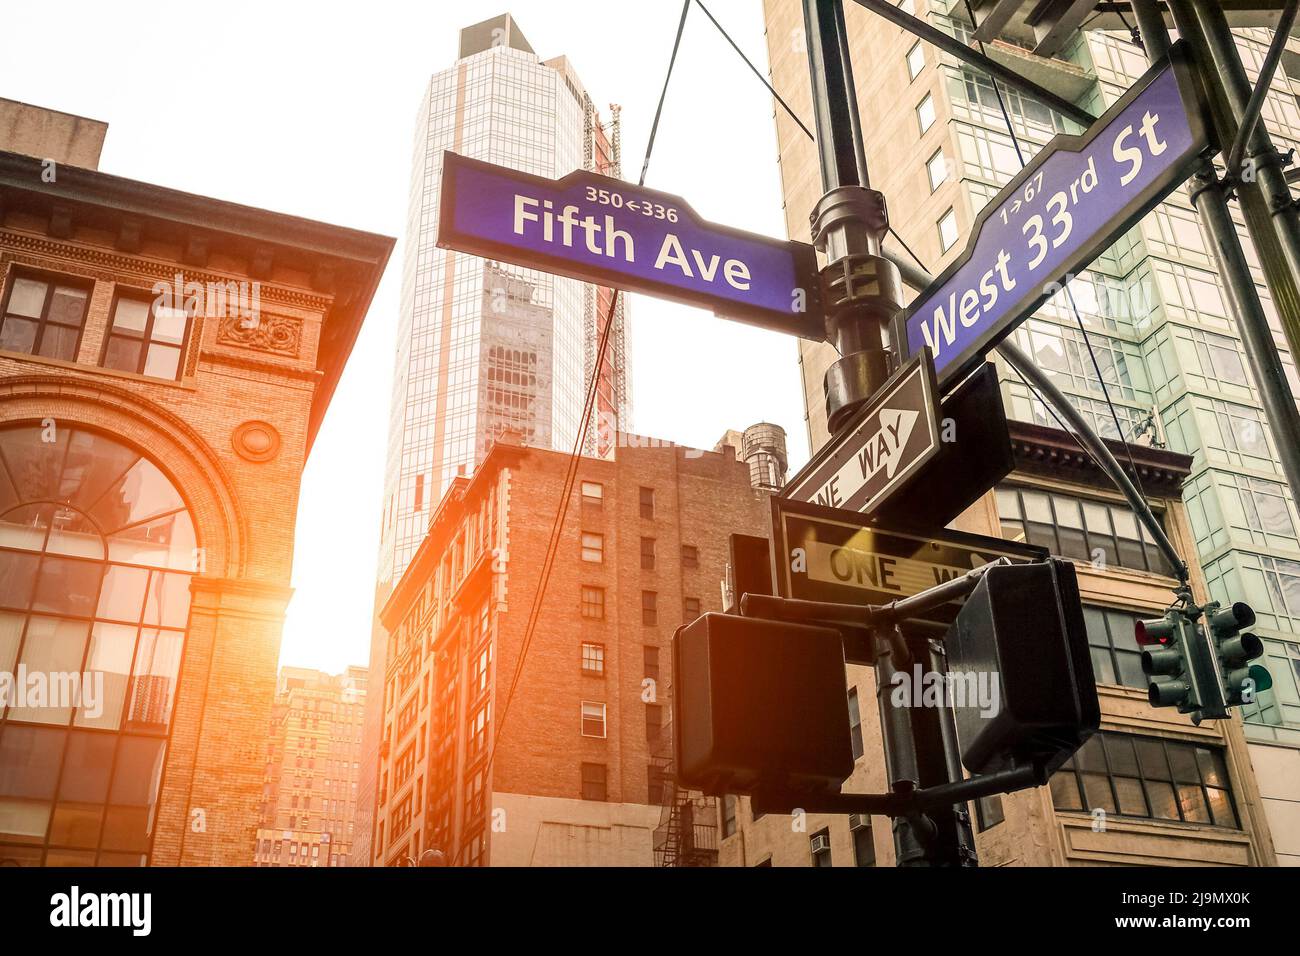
{"x":759,"y":704}
{"x":1024,"y":624}
{"x":1164,"y":661}
{"x":1235,"y":650}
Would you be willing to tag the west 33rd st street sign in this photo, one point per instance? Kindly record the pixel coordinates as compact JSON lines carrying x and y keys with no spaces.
{"x":1074,"y":199}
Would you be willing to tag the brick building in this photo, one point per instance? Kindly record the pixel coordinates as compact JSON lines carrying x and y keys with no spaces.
{"x":151,"y":446}
{"x":579,"y":774}
{"x":313,"y":763}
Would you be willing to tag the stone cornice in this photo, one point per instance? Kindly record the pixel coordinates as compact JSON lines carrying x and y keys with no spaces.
{"x":1050,"y":452}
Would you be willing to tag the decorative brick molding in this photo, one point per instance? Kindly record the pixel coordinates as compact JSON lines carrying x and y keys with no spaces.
{"x":278,"y":334}
{"x":114,"y":267}
{"x":256,"y":441}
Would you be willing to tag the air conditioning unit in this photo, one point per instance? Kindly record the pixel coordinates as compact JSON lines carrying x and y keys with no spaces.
{"x":859,"y":820}
{"x":821,"y":843}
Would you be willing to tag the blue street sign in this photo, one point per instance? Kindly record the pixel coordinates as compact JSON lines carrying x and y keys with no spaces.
{"x":616,"y":234}
{"x":1072,"y":201}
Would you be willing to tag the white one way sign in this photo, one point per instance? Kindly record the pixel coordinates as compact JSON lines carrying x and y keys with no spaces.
{"x":887,"y":441}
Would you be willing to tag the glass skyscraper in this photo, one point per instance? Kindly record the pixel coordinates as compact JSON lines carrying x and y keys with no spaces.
{"x":484,"y":347}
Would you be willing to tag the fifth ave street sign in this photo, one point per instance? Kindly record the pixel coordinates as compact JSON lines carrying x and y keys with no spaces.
{"x":1061,"y":211}
{"x":894,"y":435}
{"x":615,"y":234}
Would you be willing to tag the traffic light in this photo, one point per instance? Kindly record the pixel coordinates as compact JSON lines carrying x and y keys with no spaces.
{"x":1241,"y":679}
{"x":759,"y":704}
{"x":1022,"y":628}
{"x":1164,"y":660}
{"x":1198,"y":659}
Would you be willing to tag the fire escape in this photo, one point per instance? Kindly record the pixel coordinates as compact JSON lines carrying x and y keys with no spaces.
{"x":687,"y":834}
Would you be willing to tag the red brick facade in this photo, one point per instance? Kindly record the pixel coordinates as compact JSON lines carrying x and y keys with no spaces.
{"x":535,"y":781}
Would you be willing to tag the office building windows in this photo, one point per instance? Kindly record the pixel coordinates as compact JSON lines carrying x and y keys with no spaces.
{"x":864,"y":847}
{"x":915,"y":60}
{"x":948,"y":234}
{"x":649,"y":613}
{"x":593,"y":719}
{"x":593,"y":781}
{"x":146,"y":338}
{"x":925,"y":115}
{"x":1149,"y":777}
{"x":855,"y":724}
{"x":43,"y":314}
{"x":593,"y":658}
{"x":937,"y":170}
{"x":1102,"y":533}
{"x":593,"y":603}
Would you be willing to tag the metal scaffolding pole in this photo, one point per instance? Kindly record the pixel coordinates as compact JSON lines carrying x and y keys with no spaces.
{"x":1277,"y":236}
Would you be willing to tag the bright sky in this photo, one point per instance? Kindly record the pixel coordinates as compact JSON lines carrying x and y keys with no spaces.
{"x":309,"y":108}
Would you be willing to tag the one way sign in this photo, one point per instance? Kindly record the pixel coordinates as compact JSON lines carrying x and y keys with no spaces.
{"x":890,"y":439}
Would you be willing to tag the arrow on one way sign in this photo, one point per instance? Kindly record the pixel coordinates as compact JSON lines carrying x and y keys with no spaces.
{"x":879,"y":448}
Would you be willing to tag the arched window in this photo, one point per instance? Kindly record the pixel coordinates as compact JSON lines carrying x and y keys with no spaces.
{"x":97,"y":550}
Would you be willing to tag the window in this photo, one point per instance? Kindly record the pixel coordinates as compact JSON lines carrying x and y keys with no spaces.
{"x":647,"y":554}
{"x":1147,"y":777}
{"x":728,"y":810}
{"x":593,"y":719}
{"x":690,"y":609}
{"x":690,"y":556}
{"x":593,"y":658}
{"x":925,"y":115}
{"x":43,"y":316}
{"x":649,"y":614}
{"x":1112,"y":641}
{"x":648,"y":503}
{"x":855,"y":724}
{"x":915,"y":60}
{"x":937,"y":170}
{"x":820,"y":847}
{"x":658,"y":785}
{"x":97,"y":552}
{"x":650,"y":658}
{"x":146,"y":338}
{"x":593,"y":603}
{"x":654,"y":722}
{"x":988,"y":812}
{"x":593,"y":547}
{"x":948,"y":234}
{"x":593,"y":493}
{"x":864,"y":846}
{"x":593,"y":781}
{"x":1094,"y":531}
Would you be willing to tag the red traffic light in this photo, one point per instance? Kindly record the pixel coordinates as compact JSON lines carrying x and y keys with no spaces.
{"x":1159,"y":631}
